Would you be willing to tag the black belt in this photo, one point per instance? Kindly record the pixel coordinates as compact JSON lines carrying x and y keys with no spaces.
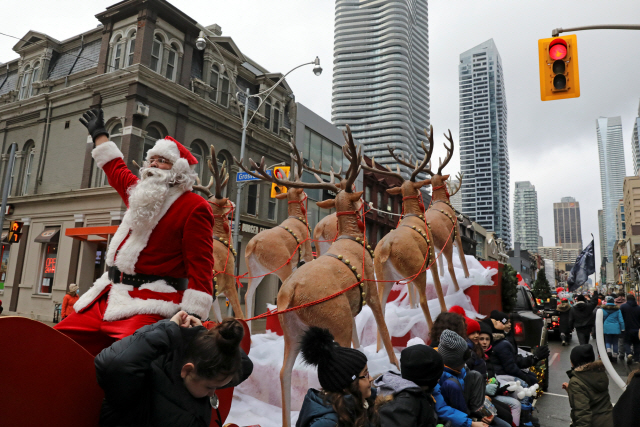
{"x":137,"y":280}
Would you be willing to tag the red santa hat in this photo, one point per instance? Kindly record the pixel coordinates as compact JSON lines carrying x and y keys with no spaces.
{"x":173,"y":151}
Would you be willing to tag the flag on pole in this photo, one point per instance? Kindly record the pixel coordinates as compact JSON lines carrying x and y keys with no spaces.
{"x":584,"y":267}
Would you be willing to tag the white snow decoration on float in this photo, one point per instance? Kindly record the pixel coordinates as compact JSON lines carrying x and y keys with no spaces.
{"x":267,"y":350}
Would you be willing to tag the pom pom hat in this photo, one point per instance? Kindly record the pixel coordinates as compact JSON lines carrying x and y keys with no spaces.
{"x":173,"y":151}
{"x":337,"y":366}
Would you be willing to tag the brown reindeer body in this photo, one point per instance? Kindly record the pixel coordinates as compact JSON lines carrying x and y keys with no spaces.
{"x":270,"y":249}
{"x":324,"y":233}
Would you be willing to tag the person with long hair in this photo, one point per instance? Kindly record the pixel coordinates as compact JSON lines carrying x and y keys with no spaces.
{"x":452,"y":321}
{"x":166,"y":374}
{"x":347,"y":398}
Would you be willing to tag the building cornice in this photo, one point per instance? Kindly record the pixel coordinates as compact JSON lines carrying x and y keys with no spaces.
{"x":63,"y":195}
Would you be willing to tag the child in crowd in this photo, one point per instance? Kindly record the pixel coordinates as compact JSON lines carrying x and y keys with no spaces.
{"x":346,"y":398}
{"x":565,"y":319}
{"x":405,"y":400}
{"x":588,"y":390}
{"x":166,"y":374}
{"x":613,"y":327}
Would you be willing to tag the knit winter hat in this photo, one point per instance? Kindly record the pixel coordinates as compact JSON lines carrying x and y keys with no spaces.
{"x":337,"y":366}
{"x":73,"y":288}
{"x":472,"y":326}
{"x":452,"y":348}
{"x":610,"y":300}
{"x":422,"y":365}
{"x":499,"y":316}
{"x":582,"y":354}
{"x":487,"y":330}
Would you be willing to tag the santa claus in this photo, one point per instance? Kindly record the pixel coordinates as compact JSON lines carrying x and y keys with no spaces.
{"x":160,"y":260}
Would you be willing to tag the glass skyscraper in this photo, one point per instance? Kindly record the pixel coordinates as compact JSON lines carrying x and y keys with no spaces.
{"x":381,"y":76}
{"x":612,"y":173}
{"x":484,"y":155}
{"x":525,"y":216}
{"x":635,"y":144}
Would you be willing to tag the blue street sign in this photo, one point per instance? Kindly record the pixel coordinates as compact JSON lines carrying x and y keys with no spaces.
{"x":244,"y":177}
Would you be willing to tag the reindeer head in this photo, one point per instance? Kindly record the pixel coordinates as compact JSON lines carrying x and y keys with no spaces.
{"x":221,"y":206}
{"x":438,"y":181}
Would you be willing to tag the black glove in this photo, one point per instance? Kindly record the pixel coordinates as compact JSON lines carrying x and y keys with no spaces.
{"x":93,"y":120}
{"x":502,"y":390}
{"x":541,"y":352}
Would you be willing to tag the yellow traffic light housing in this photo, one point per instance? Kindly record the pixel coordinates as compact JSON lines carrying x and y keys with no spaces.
{"x":558,"y":60}
{"x":280,"y":172}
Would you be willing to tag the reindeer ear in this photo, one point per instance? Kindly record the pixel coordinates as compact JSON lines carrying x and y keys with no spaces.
{"x":327,"y":204}
{"x":445,"y":177}
{"x":394,"y":191}
{"x":355,"y":196}
{"x":281,"y":196}
{"x":421,"y":184}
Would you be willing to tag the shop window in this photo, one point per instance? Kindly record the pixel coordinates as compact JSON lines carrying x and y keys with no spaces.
{"x":49,"y":259}
{"x":252,"y":200}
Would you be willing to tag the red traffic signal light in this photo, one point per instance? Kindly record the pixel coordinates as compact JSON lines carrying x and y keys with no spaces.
{"x":558,"y":62}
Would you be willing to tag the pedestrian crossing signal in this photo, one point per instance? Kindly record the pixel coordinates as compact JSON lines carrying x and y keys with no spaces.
{"x":558,"y":61}
{"x":15,"y":231}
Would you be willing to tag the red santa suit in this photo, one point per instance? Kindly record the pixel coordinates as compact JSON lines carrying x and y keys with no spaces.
{"x":177,"y":244}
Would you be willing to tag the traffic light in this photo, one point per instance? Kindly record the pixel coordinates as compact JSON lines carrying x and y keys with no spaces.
{"x":281,"y":172}
{"x":558,"y":59}
{"x":15,"y":231}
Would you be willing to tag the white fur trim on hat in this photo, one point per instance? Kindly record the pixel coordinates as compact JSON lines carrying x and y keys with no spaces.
{"x":165,"y":148}
{"x":106,"y":152}
{"x":196,"y":302}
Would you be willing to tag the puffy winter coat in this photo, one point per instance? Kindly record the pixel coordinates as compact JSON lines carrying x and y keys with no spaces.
{"x":140,"y":376}
{"x":405,"y":403}
{"x":447,"y":413}
{"x":626,"y":413}
{"x":475,"y":362}
{"x":67,"y":304}
{"x":631,"y":315}
{"x":506,"y":361}
{"x":612,"y":318}
{"x":565,"y":317}
{"x":589,"y":396}
{"x":315,"y":412}
{"x":583,"y":314}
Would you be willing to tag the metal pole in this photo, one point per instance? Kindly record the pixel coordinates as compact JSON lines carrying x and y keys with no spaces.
{"x":236,"y":225}
{"x":7,"y":179}
{"x":557,"y":31}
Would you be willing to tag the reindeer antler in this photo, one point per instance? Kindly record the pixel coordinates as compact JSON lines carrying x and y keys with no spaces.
{"x":206,"y":190}
{"x":453,"y":191}
{"x":373,"y":167}
{"x":319,"y":170}
{"x":220,"y":177}
{"x":297,"y":164}
{"x":427,"y":152}
{"x":355,"y":159}
{"x":449,"y":153}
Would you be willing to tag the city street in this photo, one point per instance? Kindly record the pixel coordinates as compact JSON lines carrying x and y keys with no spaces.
{"x":553,"y":406}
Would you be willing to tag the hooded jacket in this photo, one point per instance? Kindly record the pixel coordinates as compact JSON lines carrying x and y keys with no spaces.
{"x":631,"y":315}
{"x":566,"y":318}
{"x":583,"y":314}
{"x":626,"y":413}
{"x":505,"y":360}
{"x":589,"y":396}
{"x":447,"y":413}
{"x":404,"y":403}
{"x":315,"y":412}
{"x":613,"y":321}
{"x":140,"y":376}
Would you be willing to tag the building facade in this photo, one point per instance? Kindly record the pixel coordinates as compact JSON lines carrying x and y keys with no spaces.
{"x":484,"y":154}
{"x":141,"y":66}
{"x":635,"y":144}
{"x":381,"y":76}
{"x":559,"y":254}
{"x":621,"y":229}
{"x":525,"y":216}
{"x":612,"y":173}
{"x":567,"y":224}
{"x":456,"y":199}
{"x":523,"y":261}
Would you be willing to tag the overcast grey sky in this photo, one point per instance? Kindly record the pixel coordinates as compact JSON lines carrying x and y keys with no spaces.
{"x":551,"y":144}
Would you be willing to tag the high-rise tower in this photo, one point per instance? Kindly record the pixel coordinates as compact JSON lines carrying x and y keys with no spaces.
{"x":525,"y":216}
{"x":567,"y":226}
{"x":381,"y":75}
{"x":635,"y":144}
{"x":484,"y":155}
{"x":612,"y":172}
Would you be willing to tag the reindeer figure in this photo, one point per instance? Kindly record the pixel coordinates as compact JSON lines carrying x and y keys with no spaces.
{"x":408,"y":251}
{"x":442,"y":217}
{"x":326,"y":229}
{"x":224,"y":257}
{"x":270,"y":249}
{"x":337,"y":270}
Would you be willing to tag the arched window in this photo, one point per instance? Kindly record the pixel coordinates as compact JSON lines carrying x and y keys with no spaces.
{"x":116,"y":61}
{"x":276,"y":117}
{"x":131,"y":47}
{"x":13,"y":171}
{"x":224,"y":90}
{"x":29,"y":155}
{"x":156,"y":54}
{"x":153,"y":134}
{"x":267,"y":114}
{"x":198,"y":153}
{"x":213,"y":82}
{"x":172,"y":63}
{"x":35,"y":76}
{"x":26,"y":83}
{"x":99,"y":177}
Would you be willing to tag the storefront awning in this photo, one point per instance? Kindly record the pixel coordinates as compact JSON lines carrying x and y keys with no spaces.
{"x":49,"y":235}
{"x":91,"y":234}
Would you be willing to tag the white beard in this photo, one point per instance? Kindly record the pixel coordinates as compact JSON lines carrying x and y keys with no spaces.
{"x":147,"y":197}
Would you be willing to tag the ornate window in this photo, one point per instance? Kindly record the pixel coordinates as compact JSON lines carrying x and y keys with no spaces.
{"x":267,"y":113}
{"x":99,"y":177}
{"x":29,"y":153}
{"x":26,"y":83}
{"x":35,"y":76}
{"x":172,"y":62}
{"x":198,"y":153}
{"x":156,"y":54}
{"x":116,"y":60}
{"x":224,"y":90}
{"x":213,"y":82}
{"x":131,"y":47}
{"x":276,"y":118}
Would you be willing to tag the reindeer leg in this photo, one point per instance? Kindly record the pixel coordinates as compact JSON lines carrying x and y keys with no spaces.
{"x":354,"y":334}
{"x":440,"y":262}
{"x":253,"y":267}
{"x":412,"y":295}
{"x":463,"y":260}
{"x":448,"y":252}
{"x":436,"y":281}
{"x":374,"y":303}
{"x":293,"y":329}
{"x":421,"y":284}
{"x":384,"y":288}
{"x":235,"y":302}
